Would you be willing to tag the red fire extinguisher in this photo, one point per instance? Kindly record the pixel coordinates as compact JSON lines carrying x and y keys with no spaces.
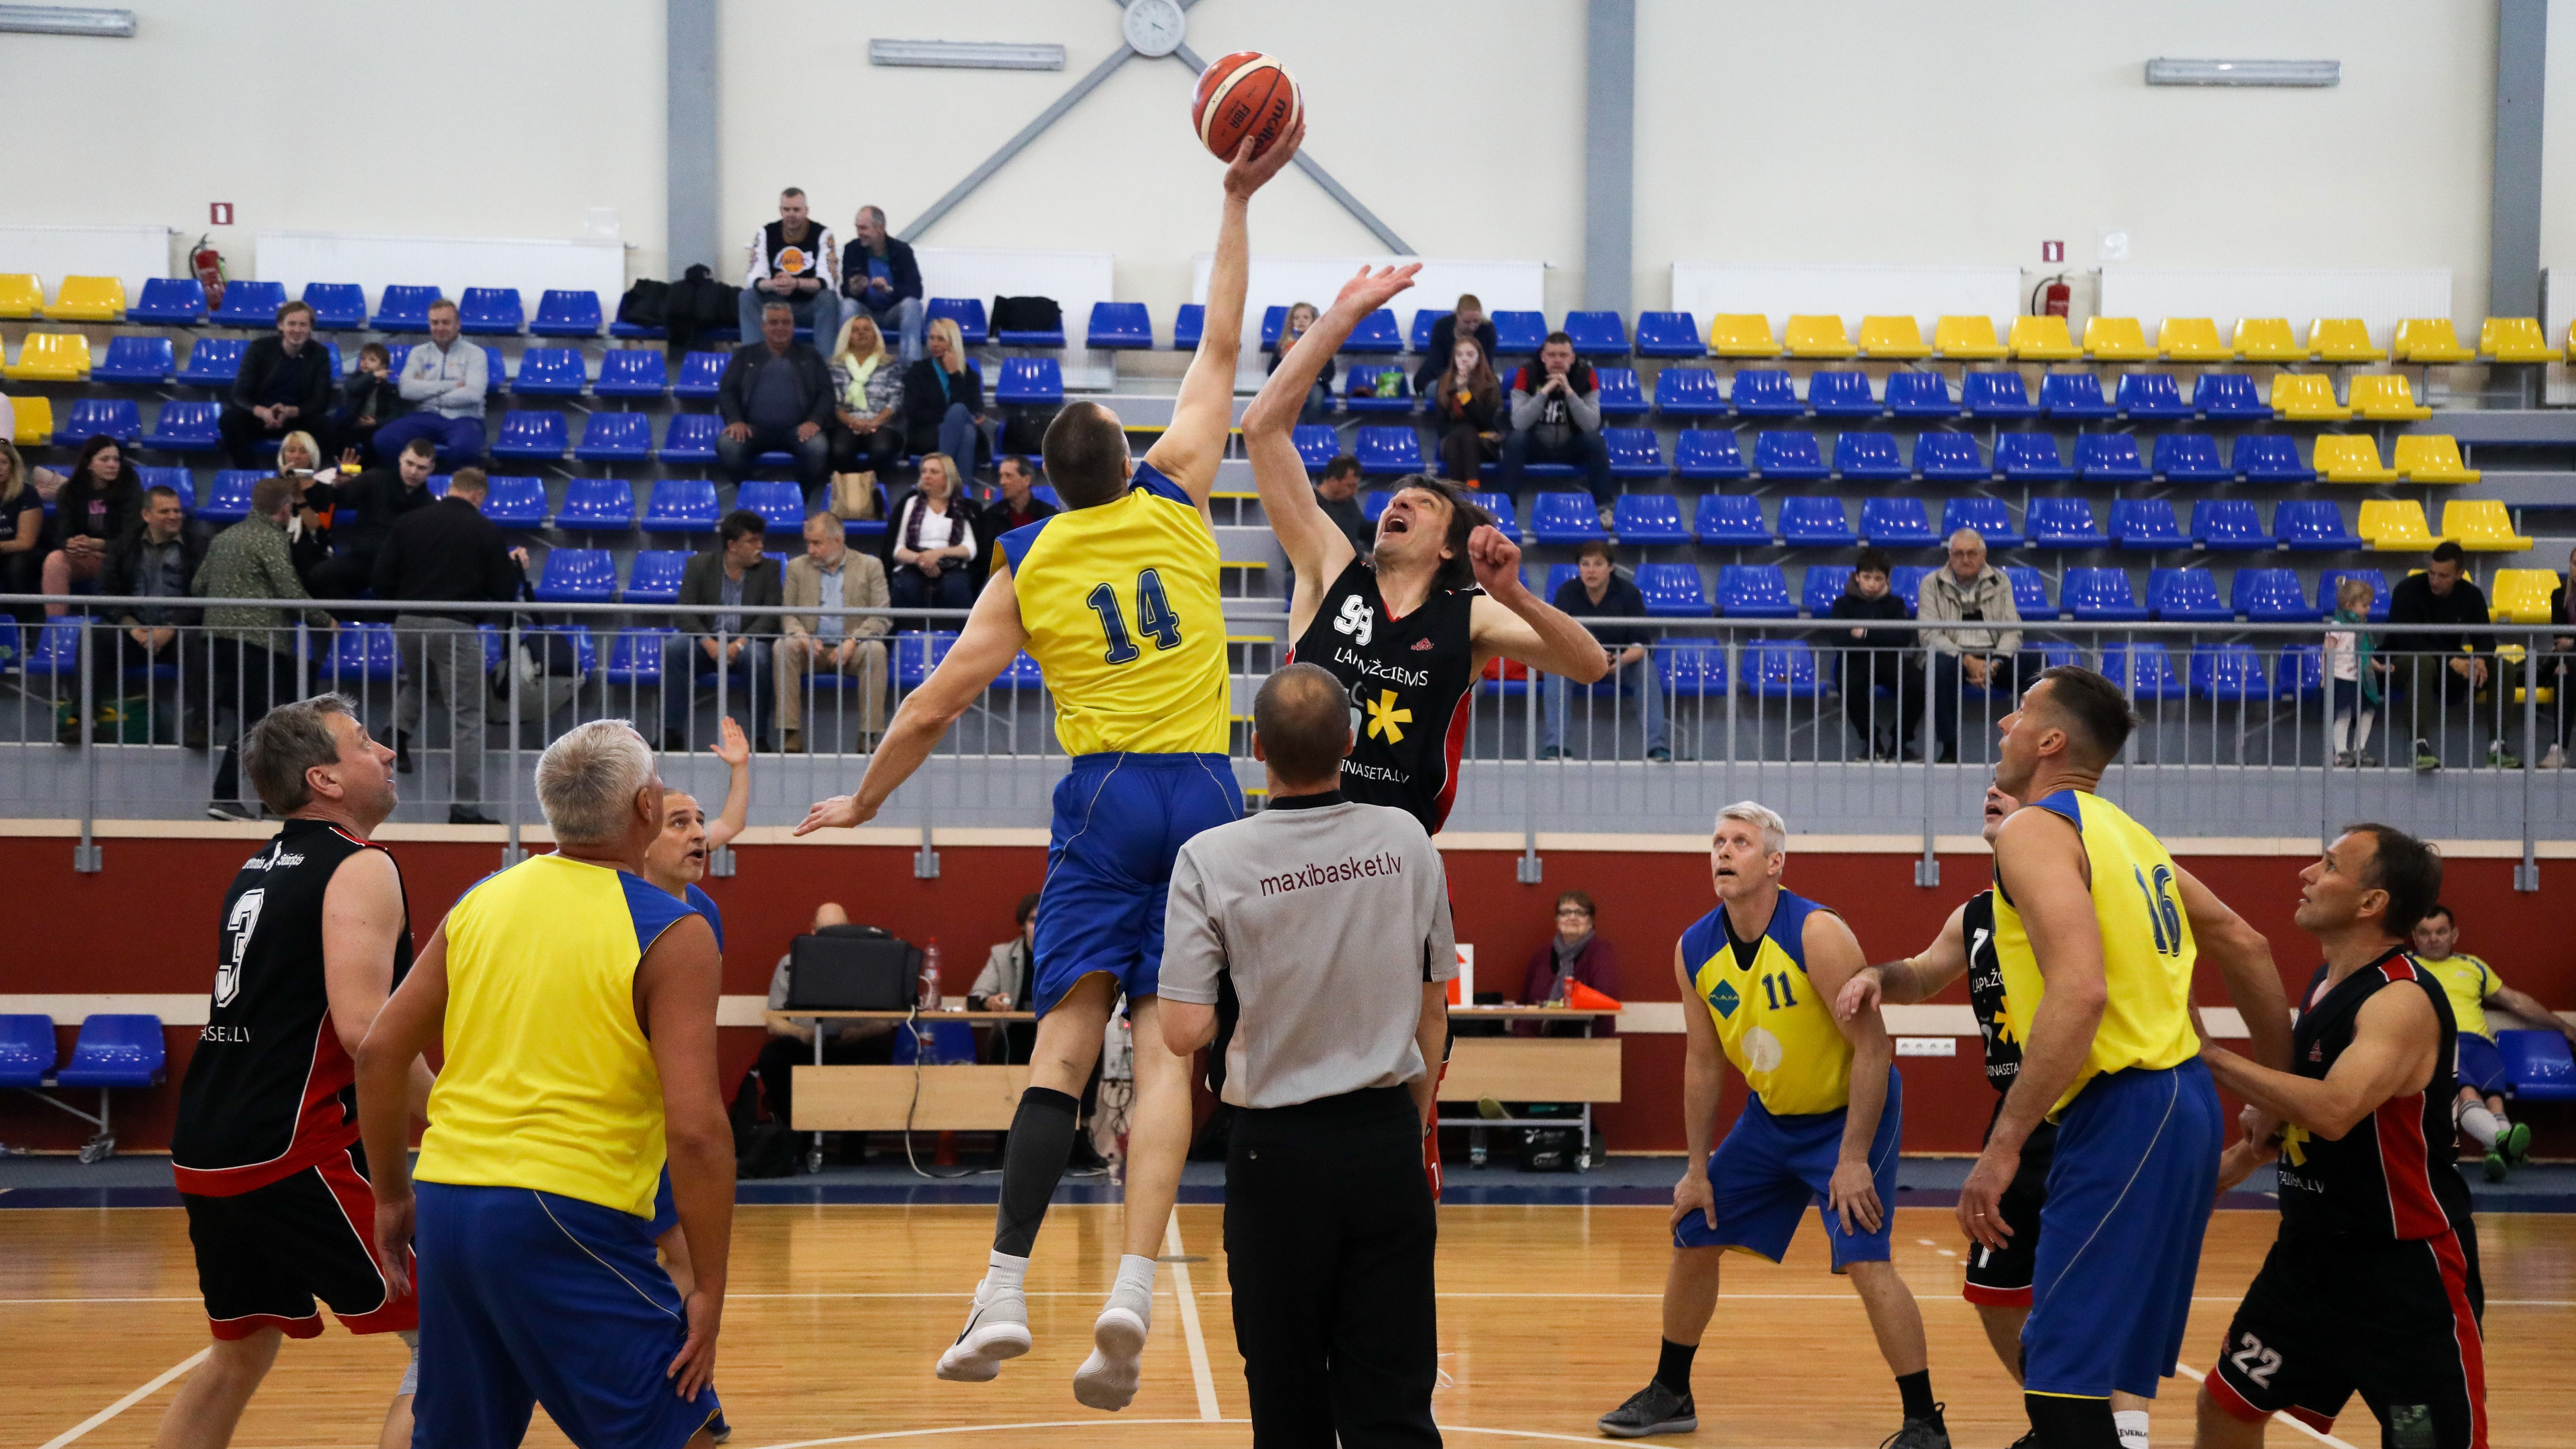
{"x":2051,"y":297}
{"x":208,"y":264}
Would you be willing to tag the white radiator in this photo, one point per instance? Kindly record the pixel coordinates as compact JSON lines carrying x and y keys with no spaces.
{"x":1850,"y":291}
{"x":2381,"y":297}
{"x":449,"y":263}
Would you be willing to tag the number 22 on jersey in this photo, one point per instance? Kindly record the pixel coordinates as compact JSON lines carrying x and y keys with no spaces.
{"x":1155,"y":618}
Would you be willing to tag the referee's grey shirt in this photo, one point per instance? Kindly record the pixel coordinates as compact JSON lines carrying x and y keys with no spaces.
{"x":1329,"y":915}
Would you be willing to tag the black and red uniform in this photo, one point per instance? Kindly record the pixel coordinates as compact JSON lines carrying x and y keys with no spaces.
{"x":1411,"y":679}
{"x":2373,"y":1285}
{"x":266,"y":1148}
{"x":2002,"y":1276}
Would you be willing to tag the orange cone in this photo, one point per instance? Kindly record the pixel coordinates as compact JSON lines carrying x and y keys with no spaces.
{"x":1584,"y":998}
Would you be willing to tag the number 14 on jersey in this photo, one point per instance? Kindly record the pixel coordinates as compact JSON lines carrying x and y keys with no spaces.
{"x":1155,"y":618}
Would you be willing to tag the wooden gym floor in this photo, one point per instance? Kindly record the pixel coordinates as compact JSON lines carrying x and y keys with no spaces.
{"x":1547,"y":1319}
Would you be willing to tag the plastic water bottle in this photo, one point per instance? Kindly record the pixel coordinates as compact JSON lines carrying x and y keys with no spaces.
{"x":930,"y":976}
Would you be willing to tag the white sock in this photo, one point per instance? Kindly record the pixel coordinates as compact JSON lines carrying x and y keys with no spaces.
{"x":1135,"y":1283}
{"x":2481,"y":1125}
{"x":1002,"y":1270}
{"x":2361,"y":730}
{"x":2132,"y":1424}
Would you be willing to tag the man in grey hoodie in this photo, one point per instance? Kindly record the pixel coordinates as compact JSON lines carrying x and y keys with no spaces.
{"x":1556,"y":418}
{"x":444,"y":380}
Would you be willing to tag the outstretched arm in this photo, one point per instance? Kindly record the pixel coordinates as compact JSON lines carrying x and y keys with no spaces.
{"x":1514,"y":623}
{"x":2528,"y":1007}
{"x":2244,"y":959}
{"x":1203,"y":414}
{"x":1316,"y":547}
{"x":735,"y":751}
{"x":2395,"y":1040}
{"x":1916,"y":978}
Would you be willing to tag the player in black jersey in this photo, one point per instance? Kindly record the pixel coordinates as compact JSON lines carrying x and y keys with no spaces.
{"x":313,"y":938}
{"x":2373,"y":1285}
{"x":1406,"y":629}
{"x":1998,"y":1280}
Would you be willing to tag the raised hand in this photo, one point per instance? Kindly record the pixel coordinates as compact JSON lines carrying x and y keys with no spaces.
{"x":1496,"y":560}
{"x":1370,"y":290}
{"x":1248,"y":173}
{"x":731,"y":746}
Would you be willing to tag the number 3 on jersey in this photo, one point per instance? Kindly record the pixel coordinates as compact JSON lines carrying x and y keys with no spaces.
{"x":1154,"y":617}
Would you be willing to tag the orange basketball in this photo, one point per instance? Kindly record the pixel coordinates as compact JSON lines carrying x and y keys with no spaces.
{"x":1244,"y":94}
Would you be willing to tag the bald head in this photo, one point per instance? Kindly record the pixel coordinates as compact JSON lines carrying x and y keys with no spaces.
{"x":1301,"y":727}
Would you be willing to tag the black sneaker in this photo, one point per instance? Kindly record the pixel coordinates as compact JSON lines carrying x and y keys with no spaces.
{"x":1920,"y":1434}
{"x":1655,"y":1409}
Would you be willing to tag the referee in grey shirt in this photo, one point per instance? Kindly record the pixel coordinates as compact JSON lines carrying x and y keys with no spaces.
{"x":1329,"y":921}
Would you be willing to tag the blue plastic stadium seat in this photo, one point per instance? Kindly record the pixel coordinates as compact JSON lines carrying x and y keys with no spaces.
{"x":2030,"y":594}
{"x":635,"y":655}
{"x":176,"y":480}
{"x":2143,"y":668}
{"x":2152,"y":395}
{"x":1783,"y":456}
{"x":1316,"y":445}
{"x":1905,"y":581}
{"x":1781,"y":669}
{"x":1377,"y":335}
{"x":491,"y":312}
{"x":2299,"y":672}
{"x":1950,"y":458}
{"x":1754,"y":591}
{"x":1815,"y":523}
{"x":1187,"y":324}
{"x":2190,"y":458}
{"x":2228,"y":524}
{"x":700,"y":373}
{"x":691,"y":438}
{"x":2073,"y":395}
{"x":598,"y":504}
{"x":2146,"y":523}
{"x":2270,"y":596}
{"x":2228,"y":671}
{"x":1669,"y":334}
{"x":2099,"y":595}
{"x":515,"y":501}
{"x":337,"y":306}
{"x":1895,"y":523}
{"x":2229,"y":395}
{"x":248,"y":304}
{"x":2186,"y":596}
{"x":566,"y":314}
{"x":1389,"y":452}
{"x":1030,"y":382}
{"x":1920,"y":395}
{"x":1733,"y":520}
{"x":2312,"y":525}
{"x":187,"y":427}
{"x":1765,"y":392}
{"x":1618,"y":393}
{"x":115,"y":1050}
{"x":1360,"y":390}
{"x":1990,"y":517}
{"x":2109,"y":458}
{"x":1274,"y":320}
{"x":654,"y":576}
{"x":1373,"y":503}
{"x":213,"y":362}
{"x":56,"y":652}
{"x":627,"y":372}
{"x":2033,"y":457}
{"x":577,"y":576}
{"x":1834,"y":393}
{"x":1597,"y":334}
{"x":1633,"y":453}
{"x":26,"y":1049}
{"x":1708,"y":453}
{"x":1119,"y":326}
{"x":1823,"y":584}
{"x":146,"y":360}
{"x":404,"y":308}
{"x":2539,"y":1065}
{"x":2329,"y":580}
{"x":1028,"y":336}
{"x":966,"y":312}
{"x":2064,"y":523}
{"x":552,"y":372}
{"x":538,"y":435}
{"x":1500,"y":506}
{"x":1564,"y":518}
{"x":1672,"y":590}
{"x":89,"y":417}
{"x":1996,"y":395}
{"x":779,"y":502}
{"x":916,"y":653}
{"x":1417,"y":338}
{"x":2271,"y":458}
{"x":169,"y":302}
{"x":1558,"y":576}
{"x":1518,"y":334}
{"x":1869,"y":458}
{"x":229,"y":500}
{"x":1690,"y":668}
{"x":680,"y":505}
{"x":1648,"y":518}
{"x":1688,"y":392}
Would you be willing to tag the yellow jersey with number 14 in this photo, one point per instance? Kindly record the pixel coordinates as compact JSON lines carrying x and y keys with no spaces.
{"x":2147,"y":949}
{"x":1124,"y":619}
{"x":1774,"y":1024}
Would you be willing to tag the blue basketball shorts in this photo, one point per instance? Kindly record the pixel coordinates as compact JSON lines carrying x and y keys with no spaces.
{"x":2481,"y":1066}
{"x":1770,"y":1168}
{"x":1120,"y":822}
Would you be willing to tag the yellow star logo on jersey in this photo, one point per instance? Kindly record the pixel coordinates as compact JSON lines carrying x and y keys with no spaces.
{"x":1385,"y":720}
{"x":2003,"y":1023}
{"x":2294,"y":1144}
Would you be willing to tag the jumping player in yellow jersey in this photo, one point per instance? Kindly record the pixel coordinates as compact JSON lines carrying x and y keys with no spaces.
{"x":2096,"y":959}
{"x":1822,"y":1122}
{"x":1116,"y":598}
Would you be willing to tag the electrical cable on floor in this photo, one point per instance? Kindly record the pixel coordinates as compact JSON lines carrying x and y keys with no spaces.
{"x":914,"y":1107}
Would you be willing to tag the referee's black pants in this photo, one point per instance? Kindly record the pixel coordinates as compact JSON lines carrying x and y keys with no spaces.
{"x":1329,"y":1231}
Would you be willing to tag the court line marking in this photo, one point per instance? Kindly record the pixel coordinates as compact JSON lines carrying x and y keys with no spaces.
{"x":1138,"y":1423}
{"x":2193,"y":1374}
{"x":1228,"y":1293}
{"x":130,"y":1400}
{"x":1189,"y":1301}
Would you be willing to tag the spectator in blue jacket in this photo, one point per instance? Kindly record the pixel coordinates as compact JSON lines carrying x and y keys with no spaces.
{"x":1599,"y":591}
{"x":880,"y":277}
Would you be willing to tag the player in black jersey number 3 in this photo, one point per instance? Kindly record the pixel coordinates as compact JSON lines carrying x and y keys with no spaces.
{"x":314,"y":937}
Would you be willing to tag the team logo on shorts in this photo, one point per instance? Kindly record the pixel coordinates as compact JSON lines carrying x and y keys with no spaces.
{"x":1724,"y":1000}
{"x":1356,"y":619}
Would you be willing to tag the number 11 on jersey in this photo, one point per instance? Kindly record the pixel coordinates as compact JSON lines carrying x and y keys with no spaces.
{"x":1154,"y":618}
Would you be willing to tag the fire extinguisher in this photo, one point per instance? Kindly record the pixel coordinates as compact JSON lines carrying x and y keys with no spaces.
{"x":2051,"y":297}
{"x":208,"y":264}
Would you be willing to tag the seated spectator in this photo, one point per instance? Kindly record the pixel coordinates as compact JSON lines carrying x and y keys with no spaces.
{"x":159,"y":560}
{"x":252,"y":646}
{"x":22,"y":524}
{"x":1467,"y":320}
{"x":2352,"y":674}
{"x":1970,"y":591}
{"x":1338,"y":493}
{"x":2452,"y":666}
{"x":1319,"y":398}
{"x":1003,"y":985}
{"x":1466,"y":404}
{"x":444,"y":381}
{"x":717,"y":637}
{"x":943,"y":398}
{"x":364,"y":509}
{"x":368,"y":400}
{"x":1599,"y":591}
{"x":880,"y":278}
{"x":791,"y":1039}
{"x":932,"y":541}
{"x":794,"y":265}
{"x":1575,"y":953}
{"x":830,"y":575}
{"x":1017,"y":505}
{"x":2562,"y":652}
{"x":444,"y":557}
{"x":775,"y":396}
{"x":867,"y":401}
{"x":308,"y":536}
{"x":100,"y":501}
{"x":1556,"y":418}
{"x":2473,"y":986}
{"x":1876,"y":659}
{"x":284,"y":384}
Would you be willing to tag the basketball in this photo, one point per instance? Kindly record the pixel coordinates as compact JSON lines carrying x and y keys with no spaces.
{"x":1244,"y":94}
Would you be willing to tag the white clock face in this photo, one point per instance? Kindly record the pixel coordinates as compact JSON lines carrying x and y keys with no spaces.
{"x":1154,"y":27}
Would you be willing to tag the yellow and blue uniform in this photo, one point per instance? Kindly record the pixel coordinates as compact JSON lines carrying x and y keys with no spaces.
{"x":2468,"y":982}
{"x":1124,"y":618}
{"x":538,"y":1282}
{"x":2139,"y":1130}
{"x":1779,"y":1031}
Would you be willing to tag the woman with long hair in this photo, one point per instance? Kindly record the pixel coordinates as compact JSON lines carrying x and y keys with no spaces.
{"x":1467,"y":403}
{"x":22,"y":524}
{"x":933,"y":541}
{"x":1319,"y":398}
{"x":99,"y":501}
{"x":943,"y":398}
{"x":867,"y":399}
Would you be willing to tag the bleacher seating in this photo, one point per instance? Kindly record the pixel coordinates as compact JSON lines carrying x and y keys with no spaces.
{"x":780,"y":504}
{"x":2270,"y":458}
{"x":2395,"y":525}
{"x":404,"y":308}
{"x":1815,"y":523}
{"x":337,"y":306}
{"x":1705,"y":454}
{"x":513,"y":500}
{"x":1659,"y":334}
{"x":2033,"y":458}
{"x":1895,"y":523}
{"x":1817,"y":335}
{"x":2432,"y":458}
{"x":50,"y":357}
{"x":700,"y":373}
{"x":148,"y":361}
{"x":1648,"y":518}
{"x":691,"y":438}
{"x":2109,"y":458}
{"x":538,"y":436}
{"x":2041,"y":339}
{"x":2099,"y":595}
{"x":1693,"y":670}
{"x":115,"y":1050}
{"x":26,"y":1050}
{"x":1388,"y":452}
{"x":2145,"y":524}
{"x":2270,"y":596}
{"x":2514,"y":339}
{"x":1500,"y":506}
{"x":635,"y":655}
{"x":185,"y":427}
{"x":2386,"y":397}
{"x":2430,"y":340}
{"x":1764,"y":392}
{"x":2229,"y":396}
{"x":250,"y":304}
{"x":169,"y":302}
{"x":653,"y":577}
{"x":1360,"y":389}
{"x":1731,"y":520}
{"x":2151,"y":397}
{"x":1741,"y":334}
{"x":2312,"y":525}
{"x":2186,"y":596}
{"x":1869,"y":458}
{"x":1595,"y":334}
{"x":90,"y":417}
{"x":1119,"y":326}
{"x":2116,"y":339}
{"x":566,"y":314}
{"x":1781,"y":669}
{"x":577,"y":576}
{"x":177,"y":480}
{"x":1784,"y":456}
{"x":2341,"y":340}
{"x":598,"y":504}
{"x":2539,"y":1064}
{"x":1996,"y":395}
{"x":1316,"y":445}
{"x":551,"y":372}
{"x":626,"y":372}
{"x":1754,"y":591}
{"x":1564,"y":518}
{"x":229,"y":500}
{"x":1920,"y":395}
{"x":1834,"y":393}
{"x":491,"y":312}
{"x":1618,"y":394}
{"x":2030,"y":594}
{"x":2190,"y":458}
{"x":88,"y":299}
{"x":2074,"y":395}
{"x":2227,"y":671}
{"x":2268,"y":339}
{"x":2481,"y":525}
{"x":2064,"y":523}
{"x":1032,"y":382}
{"x":1673,"y":591}
{"x":1187,"y":324}
{"x":33,"y":423}
{"x":2520,"y":596}
{"x":2228,"y":524}
{"x":1966,"y":339}
{"x":1950,"y":458}
{"x":1823,"y":584}
{"x":213,"y":362}
{"x":1893,"y":338}
{"x":2328,"y":580}
{"x":1633,"y":453}
{"x":1689,"y":392}
{"x":966,"y":312}
{"x":2306,"y":398}
{"x":1991,"y":518}
{"x":2298,"y":672}
{"x":2350,"y":458}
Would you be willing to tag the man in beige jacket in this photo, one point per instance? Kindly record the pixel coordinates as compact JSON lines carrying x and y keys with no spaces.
{"x":830,"y":576}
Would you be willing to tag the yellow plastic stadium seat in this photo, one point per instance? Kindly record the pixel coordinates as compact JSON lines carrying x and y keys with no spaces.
{"x":1741,"y":334}
{"x":35,"y":420}
{"x":2342,"y":339}
{"x":2116,"y":339}
{"x":51,"y":357}
{"x":2520,"y":596}
{"x":1819,"y":336}
{"x":21,"y":295}
{"x":2386,"y":397}
{"x":2432,"y":458}
{"x":1894,"y":337}
{"x":1969,"y":339}
{"x":2482,"y":526}
{"x":89,"y":299}
{"x":2395,"y":525}
{"x":2042,"y":339}
{"x":2430,"y":339}
{"x":2268,"y":339}
{"x":2306,"y":398}
{"x":2192,"y":339}
{"x":2514,"y":339}
{"x":2350,"y":458}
